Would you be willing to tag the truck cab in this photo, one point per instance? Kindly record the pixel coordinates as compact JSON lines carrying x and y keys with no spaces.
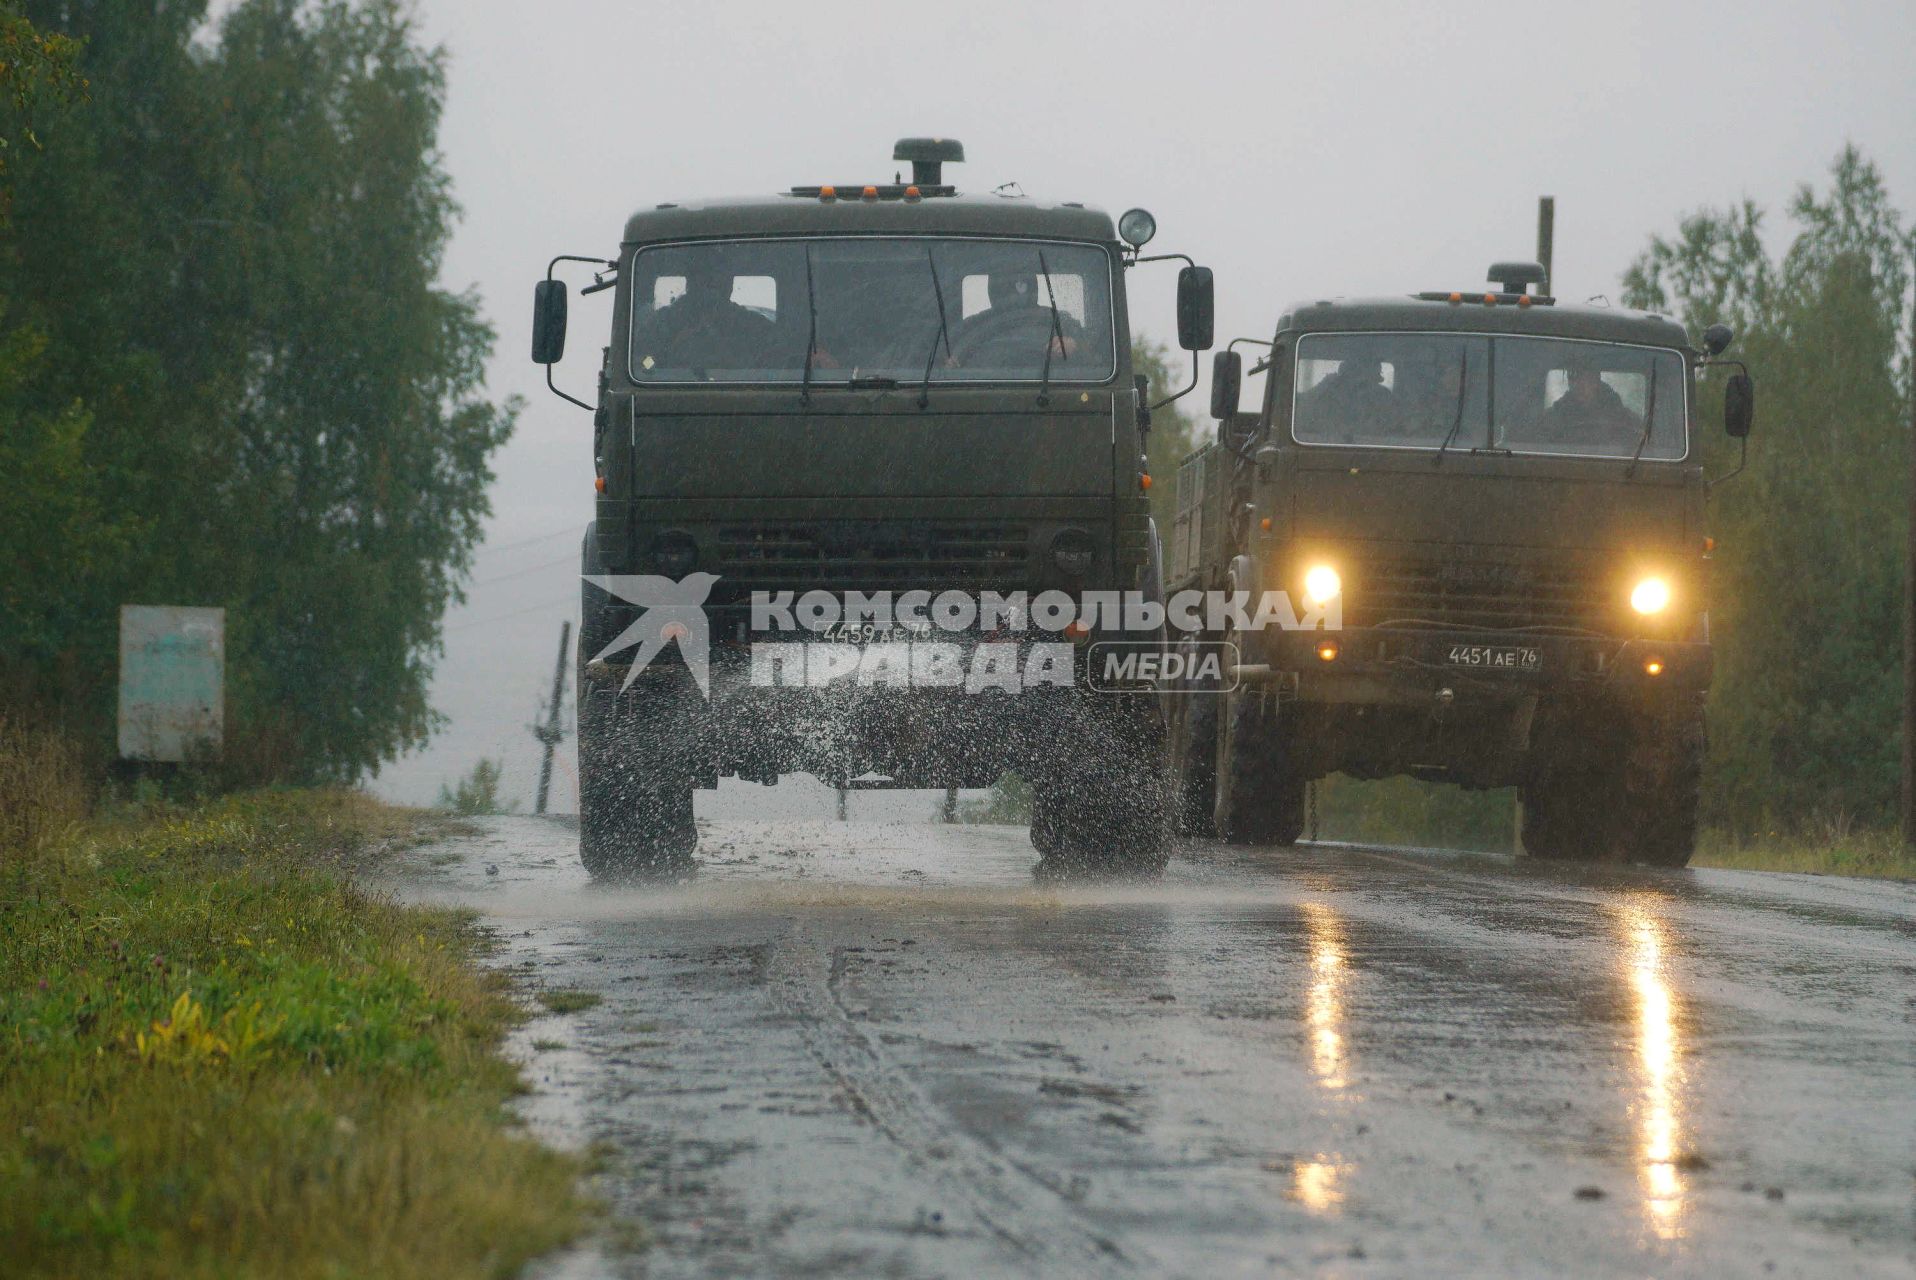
{"x":1501,"y":502}
{"x":857,"y":389}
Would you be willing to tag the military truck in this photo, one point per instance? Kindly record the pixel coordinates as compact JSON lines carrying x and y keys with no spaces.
{"x":1498,"y":500}
{"x":860,"y":388}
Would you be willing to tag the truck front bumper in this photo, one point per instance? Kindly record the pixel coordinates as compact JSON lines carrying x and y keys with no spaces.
{"x":1384,"y":665}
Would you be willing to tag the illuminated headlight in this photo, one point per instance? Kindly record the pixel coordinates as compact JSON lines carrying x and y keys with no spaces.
{"x":1652,"y":595}
{"x":1321,"y":584}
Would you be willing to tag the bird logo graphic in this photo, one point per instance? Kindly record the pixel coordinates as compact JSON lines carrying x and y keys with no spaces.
{"x":670,"y":612}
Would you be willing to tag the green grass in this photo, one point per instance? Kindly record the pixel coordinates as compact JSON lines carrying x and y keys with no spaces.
{"x":218,"y":1057}
{"x":1404,"y":811}
{"x":568,"y":1001}
{"x":1868,"y":853}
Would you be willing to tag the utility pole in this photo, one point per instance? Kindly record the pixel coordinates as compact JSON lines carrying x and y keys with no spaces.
{"x":1547,"y":242}
{"x":552,"y":732}
{"x":950,"y":811}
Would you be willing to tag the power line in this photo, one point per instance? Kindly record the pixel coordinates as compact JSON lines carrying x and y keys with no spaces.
{"x":520,"y":573}
{"x":572,"y":529}
{"x":501,"y":617}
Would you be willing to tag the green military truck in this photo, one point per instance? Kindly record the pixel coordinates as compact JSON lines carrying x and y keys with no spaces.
{"x":858,"y":390}
{"x":1498,"y":503}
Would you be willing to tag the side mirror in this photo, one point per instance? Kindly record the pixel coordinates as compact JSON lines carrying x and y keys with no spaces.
{"x":548,"y":321}
{"x":1716,"y":339}
{"x":1739,"y":406}
{"x":1197,"y":309}
{"x":1227,"y":373}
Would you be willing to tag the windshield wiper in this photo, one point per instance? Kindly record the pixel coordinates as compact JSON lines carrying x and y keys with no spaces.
{"x":811,"y":340}
{"x":1649,"y":420}
{"x":1057,"y":333}
{"x":1457,"y":423}
{"x":938,"y":290}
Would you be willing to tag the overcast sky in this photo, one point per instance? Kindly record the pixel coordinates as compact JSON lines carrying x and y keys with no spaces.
{"x":1300,"y":150}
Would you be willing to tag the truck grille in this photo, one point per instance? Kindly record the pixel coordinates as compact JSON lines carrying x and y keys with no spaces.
{"x":1479,"y":594}
{"x":873,"y":555}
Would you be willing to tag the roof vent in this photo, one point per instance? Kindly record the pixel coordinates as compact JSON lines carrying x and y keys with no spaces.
{"x":1515,"y":277}
{"x":928,"y":157}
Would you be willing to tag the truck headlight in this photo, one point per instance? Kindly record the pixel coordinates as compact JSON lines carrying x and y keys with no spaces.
{"x":1073,"y":552}
{"x":1652,"y":595}
{"x":674,"y":554}
{"x":1321,"y":584}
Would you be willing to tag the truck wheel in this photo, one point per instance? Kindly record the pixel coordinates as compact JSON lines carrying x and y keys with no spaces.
{"x":1662,"y":779}
{"x":1567,"y":816}
{"x":1103,"y":812}
{"x":1259,"y":799}
{"x":1044,"y":821}
{"x":635,"y":800}
{"x":1637,"y":803}
{"x":1194,"y":767}
{"x":636,"y":754}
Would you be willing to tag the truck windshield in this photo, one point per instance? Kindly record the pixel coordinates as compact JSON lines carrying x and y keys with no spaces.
{"x":871,"y":308}
{"x":1525,"y":395}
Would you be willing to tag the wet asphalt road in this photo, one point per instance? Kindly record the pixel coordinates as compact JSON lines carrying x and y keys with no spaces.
{"x":861,"y":1049}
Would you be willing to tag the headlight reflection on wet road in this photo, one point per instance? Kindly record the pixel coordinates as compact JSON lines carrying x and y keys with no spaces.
{"x":1317,"y":1184}
{"x":1659,"y":1130}
{"x":1326,"y":1005}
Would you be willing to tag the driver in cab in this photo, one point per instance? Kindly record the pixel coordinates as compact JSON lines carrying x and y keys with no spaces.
{"x":703,"y":329}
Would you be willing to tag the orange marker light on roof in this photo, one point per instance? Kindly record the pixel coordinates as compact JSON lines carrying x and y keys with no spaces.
{"x":870,"y":193}
{"x":912,"y":193}
{"x":1490,"y":299}
{"x":828,"y":193}
{"x":1524,"y":300}
{"x":1456,"y":297}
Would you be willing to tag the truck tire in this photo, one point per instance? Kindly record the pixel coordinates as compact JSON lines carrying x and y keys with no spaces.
{"x":1567,"y":816}
{"x":1662,"y":781}
{"x":637,"y":750}
{"x":1103,"y":811}
{"x":635,"y":793}
{"x":1637,"y":803}
{"x":1260,"y":799}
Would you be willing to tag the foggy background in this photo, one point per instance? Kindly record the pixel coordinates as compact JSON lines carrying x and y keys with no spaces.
{"x":1301,"y":151}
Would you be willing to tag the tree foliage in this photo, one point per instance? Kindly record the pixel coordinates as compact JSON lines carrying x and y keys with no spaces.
{"x":228,"y":256}
{"x":1808,"y":582}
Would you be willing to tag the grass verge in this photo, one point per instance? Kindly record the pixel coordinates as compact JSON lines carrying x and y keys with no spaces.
{"x":218,"y":1057}
{"x":1869,"y":853}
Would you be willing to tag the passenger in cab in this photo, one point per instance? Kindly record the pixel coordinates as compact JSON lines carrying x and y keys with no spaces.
{"x":1353,"y":397}
{"x":703,"y":329}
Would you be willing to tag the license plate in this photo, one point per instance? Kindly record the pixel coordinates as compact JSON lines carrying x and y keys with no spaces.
{"x":1501,"y":657}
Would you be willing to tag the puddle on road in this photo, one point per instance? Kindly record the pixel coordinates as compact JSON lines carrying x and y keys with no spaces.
{"x":529,"y":871}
